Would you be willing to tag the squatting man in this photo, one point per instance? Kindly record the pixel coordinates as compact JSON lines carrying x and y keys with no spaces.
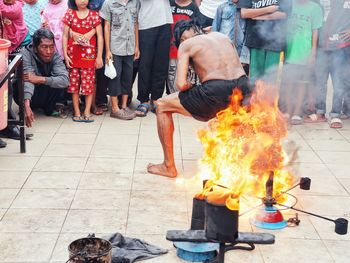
{"x":219,"y":69}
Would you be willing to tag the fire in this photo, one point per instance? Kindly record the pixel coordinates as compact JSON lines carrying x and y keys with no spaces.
{"x":242,"y":146}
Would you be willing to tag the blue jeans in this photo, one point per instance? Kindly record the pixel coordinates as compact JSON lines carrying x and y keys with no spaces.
{"x":336,"y":63}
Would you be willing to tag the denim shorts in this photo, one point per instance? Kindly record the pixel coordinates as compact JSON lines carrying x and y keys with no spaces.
{"x":204,"y":101}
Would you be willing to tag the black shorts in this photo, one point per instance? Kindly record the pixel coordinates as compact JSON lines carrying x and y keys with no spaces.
{"x":206,"y":100}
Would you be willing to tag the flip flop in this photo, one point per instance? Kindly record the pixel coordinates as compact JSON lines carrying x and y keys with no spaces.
{"x":144,"y":108}
{"x":296,"y":120}
{"x":97,"y":111}
{"x":77,"y":119}
{"x":315,"y":118}
{"x":87,"y":119}
{"x":336,"y":123}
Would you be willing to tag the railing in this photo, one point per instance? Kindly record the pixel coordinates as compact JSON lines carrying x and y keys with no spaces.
{"x":16,"y":67}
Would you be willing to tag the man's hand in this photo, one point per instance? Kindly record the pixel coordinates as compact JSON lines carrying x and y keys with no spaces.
{"x":33,"y":78}
{"x":98,"y":62}
{"x":345,"y":35}
{"x":137,"y":53}
{"x":29,"y":115}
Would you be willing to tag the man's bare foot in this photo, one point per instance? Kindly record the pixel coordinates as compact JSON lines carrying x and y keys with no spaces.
{"x":161,"y":169}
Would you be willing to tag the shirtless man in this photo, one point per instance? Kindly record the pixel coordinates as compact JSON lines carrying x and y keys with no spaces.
{"x":217,"y":65}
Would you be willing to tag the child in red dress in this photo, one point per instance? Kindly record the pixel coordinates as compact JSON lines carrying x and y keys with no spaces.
{"x":81,"y":57}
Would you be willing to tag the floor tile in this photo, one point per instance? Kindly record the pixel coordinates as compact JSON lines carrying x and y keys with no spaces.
{"x":114,"y":151}
{"x":57,"y":180}
{"x":69,"y":128}
{"x":330,"y":146}
{"x":44,"y":198}
{"x":32,"y":149}
{"x":101,"y":199}
{"x":158,"y":200}
{"x":337,"y":249}
{"x":110,"y":181}
{"x":334,"y":157}
{"x":346,"y":184}
{"x":317,"y":134}
{"x":13,"y":179}
{"x":73,"y":138}
{"x":339,"y":170}
{"x":95,"y":221}
{"x":307,"y":157}
{"x":109,"y":165}
{"x":326,"y":205}
{"x":17,"y":163}
{"x":2,"y":213}
{"x":308,"y":169}
{"x":143,"y":181}
{"x":33,"y":220}
{"x":26,"y":247}
{"x":116,"y":140}
{"x":61,"y":150}
{"x":303,"y":251}
{"x":7,"y":196}
{"x":155,"y":222}
{"x":60,"y":164}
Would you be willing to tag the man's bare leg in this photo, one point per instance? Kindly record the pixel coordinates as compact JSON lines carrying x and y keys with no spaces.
{"x":165,"y":108}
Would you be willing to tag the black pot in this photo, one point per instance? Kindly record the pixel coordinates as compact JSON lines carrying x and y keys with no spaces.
{"x":221,"y":223}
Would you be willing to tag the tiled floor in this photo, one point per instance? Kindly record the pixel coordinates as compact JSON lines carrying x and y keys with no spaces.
{"x":81,"y":178}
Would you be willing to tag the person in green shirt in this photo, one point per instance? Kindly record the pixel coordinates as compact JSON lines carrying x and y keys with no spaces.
{"x":302,"y":36}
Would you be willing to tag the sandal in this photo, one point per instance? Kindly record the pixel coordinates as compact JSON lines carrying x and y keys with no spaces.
{"x":103,"y":107}
{"x":88,"y":119}
{"x":77,"y":119}
{"x":315,"y":118}
{"x":143,"y":109}
{"x":97,"y":111}
{"x":123,"y":115}
{"x":296,"y":120}
{"x":153,"y":108}
{"x":336,"y":123}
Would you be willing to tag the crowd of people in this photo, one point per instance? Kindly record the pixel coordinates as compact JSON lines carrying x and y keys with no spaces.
{"x":68,"y":44}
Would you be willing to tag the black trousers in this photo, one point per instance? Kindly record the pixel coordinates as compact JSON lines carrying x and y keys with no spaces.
{"x":154,"y":62}
{"x":44,"y":97}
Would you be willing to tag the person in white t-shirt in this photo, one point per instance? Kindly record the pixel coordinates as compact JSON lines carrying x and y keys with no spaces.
{"x":207,"y":11}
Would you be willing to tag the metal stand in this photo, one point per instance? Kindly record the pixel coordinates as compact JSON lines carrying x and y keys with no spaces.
{"x":246,"y":238}
{"x":16,"y":66}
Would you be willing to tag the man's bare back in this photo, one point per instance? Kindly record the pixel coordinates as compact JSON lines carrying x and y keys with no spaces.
{"x":213,"y":57}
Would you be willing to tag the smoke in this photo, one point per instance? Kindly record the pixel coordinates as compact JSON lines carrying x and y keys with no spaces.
{"x":304,"y":86}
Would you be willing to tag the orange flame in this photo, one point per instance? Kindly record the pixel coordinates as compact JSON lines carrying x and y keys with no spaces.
{"x":242,"y":146}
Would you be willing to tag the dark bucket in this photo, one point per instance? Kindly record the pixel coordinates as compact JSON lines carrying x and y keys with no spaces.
{"x":221,"y":223}
{"x":198,"y":214}
{"x":90,"y":250}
